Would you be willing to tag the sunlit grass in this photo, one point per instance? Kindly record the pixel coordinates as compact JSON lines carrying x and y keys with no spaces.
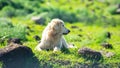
{"x":87,"y":40}
{"x":91,"y":37}
{"x":95,"y":20}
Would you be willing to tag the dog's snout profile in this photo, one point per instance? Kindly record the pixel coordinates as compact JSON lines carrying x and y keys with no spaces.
{"x":68,"y":31}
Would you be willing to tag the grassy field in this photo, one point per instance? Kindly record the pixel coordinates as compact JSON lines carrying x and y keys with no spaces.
{"x":81,"y":36}
{"x":90,"y":31}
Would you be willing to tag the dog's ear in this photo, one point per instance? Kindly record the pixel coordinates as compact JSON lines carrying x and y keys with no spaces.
{"x":56,"y":29}
{"x":52,"y":29}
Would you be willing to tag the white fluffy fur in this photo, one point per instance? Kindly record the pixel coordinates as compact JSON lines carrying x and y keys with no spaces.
{"x":52,"y":36}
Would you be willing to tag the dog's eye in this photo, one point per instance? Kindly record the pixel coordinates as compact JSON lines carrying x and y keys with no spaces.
{"x":63,"y":25}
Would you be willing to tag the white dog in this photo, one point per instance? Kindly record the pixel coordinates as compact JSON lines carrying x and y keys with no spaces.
{"x":52,"y":36}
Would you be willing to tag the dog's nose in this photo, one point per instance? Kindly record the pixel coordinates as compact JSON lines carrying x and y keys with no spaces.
{"x":68,"y":31}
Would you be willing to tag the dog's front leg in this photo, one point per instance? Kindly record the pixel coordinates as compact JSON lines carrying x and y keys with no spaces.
{"x":38,"y":47}
{"x":66,"y":45}
{"x":58,"y":46}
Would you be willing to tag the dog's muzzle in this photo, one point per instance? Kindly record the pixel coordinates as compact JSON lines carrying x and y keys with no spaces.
{"x":68,"y":31}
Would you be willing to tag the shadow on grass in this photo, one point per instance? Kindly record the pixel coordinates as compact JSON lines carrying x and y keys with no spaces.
{"x":65,"y":50}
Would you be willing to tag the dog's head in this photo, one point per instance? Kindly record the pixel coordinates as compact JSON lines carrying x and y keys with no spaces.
{"x":58,"y":26}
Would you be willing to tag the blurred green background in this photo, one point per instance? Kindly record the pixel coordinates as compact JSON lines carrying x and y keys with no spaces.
{"x":90,"y":21}
{"x":101,"y":12}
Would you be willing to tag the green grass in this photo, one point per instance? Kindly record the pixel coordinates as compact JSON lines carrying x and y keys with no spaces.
{"x":8,"y":30}
{"x":92,"y":37}
{"x":95,"y":20}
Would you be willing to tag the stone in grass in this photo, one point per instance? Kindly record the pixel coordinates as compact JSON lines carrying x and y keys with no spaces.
{"x":107,"y":45}
{"x":36,"y":37}
{"x":87,"y":53}
{"x":14,"y":40}
{"x":80,"y":35}
{"x":108,"y":35}
{"x":74,"y":27}
{"x":15,"y":55}
{"x":38,"y":20}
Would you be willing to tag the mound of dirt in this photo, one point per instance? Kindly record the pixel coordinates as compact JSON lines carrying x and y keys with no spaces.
{"x":15,"y":56}
{"x":87,"y":53}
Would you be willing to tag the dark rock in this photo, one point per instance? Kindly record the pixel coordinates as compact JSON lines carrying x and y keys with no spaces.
{"x":74,"y":27}
{"x":79,"y":35}
{"x":108,"y":35}
{"x":17,"y":56}
{"x":39,"y":20}
{"x":36,"y":37}
{"x":107,"y":45}
{"x":89,"y":54}
{"x":28,"y":27}
{"x":8,"y":51}
{"x":14,"y":40}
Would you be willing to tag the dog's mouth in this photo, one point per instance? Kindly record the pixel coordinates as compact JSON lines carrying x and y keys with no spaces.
{"x":66,"y":33}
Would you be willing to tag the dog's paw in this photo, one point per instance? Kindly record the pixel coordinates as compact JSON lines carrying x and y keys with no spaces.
{"x":38,"y":49}
{"x":71,"y":46}
{"x":56,"y":49}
